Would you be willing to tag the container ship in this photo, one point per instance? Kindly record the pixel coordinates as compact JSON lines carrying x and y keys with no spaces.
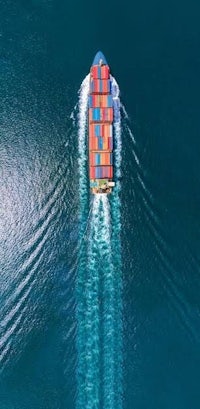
{"x":100,"y":106}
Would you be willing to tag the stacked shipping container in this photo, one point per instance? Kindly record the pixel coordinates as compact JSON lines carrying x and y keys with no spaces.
{"x":102,"y":101}
{"x":100,"y":114}
{"x":100,"y":124}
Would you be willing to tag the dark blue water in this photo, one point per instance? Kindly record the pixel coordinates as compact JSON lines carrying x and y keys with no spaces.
{"x":46,"y":48}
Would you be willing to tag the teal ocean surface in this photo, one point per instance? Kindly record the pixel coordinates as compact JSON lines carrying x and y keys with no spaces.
{"x":99,"y":297}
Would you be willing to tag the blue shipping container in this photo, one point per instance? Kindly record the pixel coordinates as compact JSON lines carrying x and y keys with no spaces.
{"x":109,"y":101}
{"x":96,"y":114}
{"x":91,"y":86}
{"x":100,"y":142}
{"x":90,"y":101}
{"x":98,"y":172}
{"x":97,"y":130}
{"x":97,"y":159}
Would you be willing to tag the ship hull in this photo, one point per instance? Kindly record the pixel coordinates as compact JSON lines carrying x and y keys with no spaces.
{"x":100,"y":120}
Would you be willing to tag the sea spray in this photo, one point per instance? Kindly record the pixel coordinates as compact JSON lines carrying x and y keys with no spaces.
{"x":115,"y":204}
{"x":83,"y":215}
{"x":82,"y":146}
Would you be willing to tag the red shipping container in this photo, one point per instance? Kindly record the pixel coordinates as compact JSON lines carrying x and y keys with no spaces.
{"x":104,"y":130}
{"x":110,"y":114}
{"x":92,"y":172}
{"x":105,"y":86}
{"x":97,"y":100}
{"x":106,"y":114}
{"x":100,"y":86}
{"x":108,"y":172}
{"x":105,"y":172}
{"x":91,"y":130}
{"x":105,"y":72}
{"x":110,"y":144}
{"x":94,"y":71}
{"x":96,"y":87}
{"x":91,"y":159}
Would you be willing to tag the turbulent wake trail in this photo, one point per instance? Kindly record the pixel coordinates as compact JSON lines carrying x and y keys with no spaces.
{"x":99,"y":282}
{"x":92,"y":315}
{"x":81,"y":277}
{"x":116,"y":245}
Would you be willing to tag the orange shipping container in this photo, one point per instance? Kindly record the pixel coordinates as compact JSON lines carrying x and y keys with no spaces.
{"x":93,"y":143}
{"x":97,"y":100}
{"x":105,"y":158}
{"x":105,"y":144}
{"x":104,"y":101}
{"x":107,"y":130}
{"x":101,"y":100}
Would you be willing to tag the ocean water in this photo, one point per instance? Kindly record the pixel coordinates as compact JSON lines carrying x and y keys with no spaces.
{"x":99,"y":298}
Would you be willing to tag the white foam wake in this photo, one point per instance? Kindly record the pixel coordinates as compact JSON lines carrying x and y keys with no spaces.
{"x":82,"y":137}
{"x":82,"y":255}
{"x":99,"y":279}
